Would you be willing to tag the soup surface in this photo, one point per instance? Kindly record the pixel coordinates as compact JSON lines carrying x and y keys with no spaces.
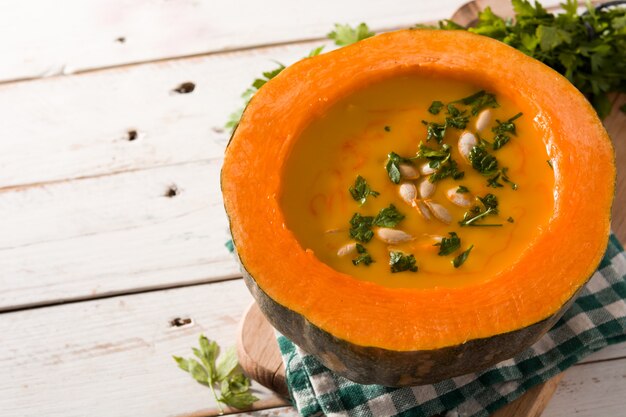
{"x":420,"y":182}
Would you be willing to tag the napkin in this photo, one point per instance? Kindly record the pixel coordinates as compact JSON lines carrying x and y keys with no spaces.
{"x":595,"y":320}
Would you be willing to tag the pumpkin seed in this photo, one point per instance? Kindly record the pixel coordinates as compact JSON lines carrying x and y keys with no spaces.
{"x":426,"y":169}
{"x":408,"y":171}
{"x":422,"y":209}
{"x":440,"y":212}
{"x":427,"y":188}
{"x":466,"y":142}
{"x":392,"y":236}
{"x":483,"y":120}
{"x":347,"y":249}
{"x":459,"y":199}
{"x":408,"y":192}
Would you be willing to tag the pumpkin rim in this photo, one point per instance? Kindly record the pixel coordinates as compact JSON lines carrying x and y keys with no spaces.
{"x":544,"y":277}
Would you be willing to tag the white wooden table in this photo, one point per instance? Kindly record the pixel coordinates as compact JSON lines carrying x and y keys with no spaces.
{"x":105,"y":240}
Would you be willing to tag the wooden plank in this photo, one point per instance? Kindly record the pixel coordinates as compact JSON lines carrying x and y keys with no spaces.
{"x":43,"y":39}
{"x":77,"y":127}
{"x":591,"y":390}
{"x":112,"y":357}
{"x":272,"y":412}
{"x":112,"y":234}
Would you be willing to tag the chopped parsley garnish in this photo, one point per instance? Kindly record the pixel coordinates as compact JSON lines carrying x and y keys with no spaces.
{"x":387,"y":128}
{"x":479,"y":101}
{"x":449,"y":244}
{"x":361,"y":190}
{"x":510,"y":220}
{"x":460,"y":260}
{"x":502,"y":131}
{"x":400,"y":262}
{"x":363,"y":258}
{"x":489,"y":207}
{"x":388,"y":217}
{"x":435,"y":131}
{"x":462,"y":189}
{"x":393,"y":166}
{"x":482,"y":161}
{"x":501,"y":175}
{"x":456,"y":118}
{"x":361,"y":228}
{"x":487,"y":164}
{"x":436,"y":107}
{"x":439,"y":159}
{"x":450,"y":169}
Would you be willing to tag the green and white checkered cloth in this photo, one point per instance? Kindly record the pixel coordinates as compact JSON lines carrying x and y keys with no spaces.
{"x":596,"y":319}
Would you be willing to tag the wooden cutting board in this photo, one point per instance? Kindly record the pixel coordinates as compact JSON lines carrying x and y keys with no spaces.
{"x":258,"y":350}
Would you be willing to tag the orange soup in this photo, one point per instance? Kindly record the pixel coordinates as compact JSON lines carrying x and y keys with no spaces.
{"x":420,"y":182}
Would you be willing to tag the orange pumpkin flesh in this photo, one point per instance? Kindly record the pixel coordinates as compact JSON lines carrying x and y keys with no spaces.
{"x":396,"y":336}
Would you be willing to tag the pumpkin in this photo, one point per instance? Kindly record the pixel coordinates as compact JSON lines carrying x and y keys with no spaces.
{"x":407,"y":336}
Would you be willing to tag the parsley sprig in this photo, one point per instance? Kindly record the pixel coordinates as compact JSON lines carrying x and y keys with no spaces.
{"x":400,"y":262}
{"x":503,"y":131}
{"x":361,"y":190}
{"x":489,"y":207}
{"x":449,"y":244}
{"x":460,"y":260}
{"x":363,"y":258}
{"x":393,"y":166}
{"x":346,"y":35}
{"x":361,"y":226}
{"x":440,"y":160}
{"x":222,"y":371}
{"x":589,"y":48}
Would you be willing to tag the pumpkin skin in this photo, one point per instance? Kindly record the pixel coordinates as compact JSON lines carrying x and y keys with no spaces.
{"x":398,"y":337}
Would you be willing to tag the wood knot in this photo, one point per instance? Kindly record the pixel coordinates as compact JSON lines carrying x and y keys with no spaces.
{"x":185,"y":88}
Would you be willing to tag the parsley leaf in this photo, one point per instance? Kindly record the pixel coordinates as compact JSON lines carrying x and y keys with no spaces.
{"x":361,"y":228}
{"x":450,"y":169}
{"x":435,"y":107}
{"x":456,"y":118}
{"x":222,"y":371}
{"x":482,"y":161}
{"x":479,"y":101}
{"x":462,"y":189}
{"x":448,"y":244}
{"x":388,"y":217}
{"x":361,"y":190}
{"x":489,"y":207}
{"x":346,"y":35}
{"x":435,"y":131}
{"x":502,"y":131}
{"x":393,"y":166}
{"x":364,"y":257}
{"x":494,"y":182}
{"x":400,"y":262}
{"x":439,"y":159}
{"x":460,"y":260}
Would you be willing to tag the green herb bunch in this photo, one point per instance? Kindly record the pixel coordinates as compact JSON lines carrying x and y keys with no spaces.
{"x":222,"y":372}
{"x":589,"y":48}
